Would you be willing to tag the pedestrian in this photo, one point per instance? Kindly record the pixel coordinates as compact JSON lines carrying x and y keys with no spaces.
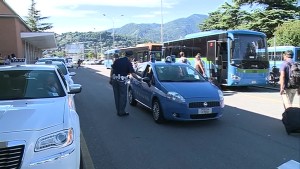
{"x":287,"y":94}
{"x":183,"y":59}
{"x":199,"y":65}
{"x":78,"y":63}
{"x":121,"y":69}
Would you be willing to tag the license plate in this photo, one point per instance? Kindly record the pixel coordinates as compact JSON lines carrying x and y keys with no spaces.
{"x":205,"y":111}
{"x":253,"y":82}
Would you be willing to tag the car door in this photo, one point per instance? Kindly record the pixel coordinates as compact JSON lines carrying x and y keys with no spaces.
{"x":147,"y":86}
{"x":136,"y":83}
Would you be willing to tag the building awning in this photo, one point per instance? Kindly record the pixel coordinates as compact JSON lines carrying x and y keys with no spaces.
{"x":41,"y":40}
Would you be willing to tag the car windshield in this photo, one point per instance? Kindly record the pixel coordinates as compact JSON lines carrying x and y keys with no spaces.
{"x":178,"y":73}
{"x":29,"y":84}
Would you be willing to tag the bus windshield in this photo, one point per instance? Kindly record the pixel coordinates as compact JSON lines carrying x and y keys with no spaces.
{"x":248,"y":48}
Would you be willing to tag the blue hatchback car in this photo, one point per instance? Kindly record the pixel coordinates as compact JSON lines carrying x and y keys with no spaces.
{"x":175,"y":91}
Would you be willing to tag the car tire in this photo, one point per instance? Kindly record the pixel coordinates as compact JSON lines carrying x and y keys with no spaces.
{"x":157,"y":112}
{"x":131,"y":98}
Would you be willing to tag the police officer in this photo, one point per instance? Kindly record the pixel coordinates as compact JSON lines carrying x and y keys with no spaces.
{"x":121,"y":68}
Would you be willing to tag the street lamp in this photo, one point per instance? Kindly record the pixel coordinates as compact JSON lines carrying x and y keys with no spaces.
{"x":161,"y":28}
{"x":162,"y":22}
{"x":113,"y":31}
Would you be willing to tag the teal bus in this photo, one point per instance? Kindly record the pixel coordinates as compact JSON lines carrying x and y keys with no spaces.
{"x":230,"y":58}
{"x":275,"y":54}
{"x":109,"y":57}
{"x":144,"y":52}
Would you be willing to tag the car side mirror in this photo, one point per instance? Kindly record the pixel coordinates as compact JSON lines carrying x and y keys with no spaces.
{"x":75,"y":88}
{"x":72,"y":73}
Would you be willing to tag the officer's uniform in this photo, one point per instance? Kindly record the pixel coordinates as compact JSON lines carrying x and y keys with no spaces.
{"x":121,"y":68}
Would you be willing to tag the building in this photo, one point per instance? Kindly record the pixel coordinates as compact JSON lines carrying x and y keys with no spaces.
{"x":17,"y":38}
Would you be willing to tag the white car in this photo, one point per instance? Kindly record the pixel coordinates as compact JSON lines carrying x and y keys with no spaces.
{"x":39,"y":128}
{"x":63,"y":68}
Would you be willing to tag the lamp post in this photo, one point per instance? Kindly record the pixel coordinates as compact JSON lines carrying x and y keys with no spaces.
{"x":113,"y":31}
{"x":162,"y":22}
{"x":161,"y":28}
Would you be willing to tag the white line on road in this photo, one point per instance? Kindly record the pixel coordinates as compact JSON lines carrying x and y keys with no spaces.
{"x":292,"y":164}
{"x":86,"y":157}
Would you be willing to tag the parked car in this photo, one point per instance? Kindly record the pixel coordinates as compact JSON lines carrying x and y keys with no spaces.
{"x":62,"y":67}
{"x":60,"y":59}
{"x":175,"y":91}
{"x":39,"y":126}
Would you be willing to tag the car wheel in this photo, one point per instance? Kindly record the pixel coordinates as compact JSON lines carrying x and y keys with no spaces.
{"x":131,"y":98}
{"x":157,"y":112}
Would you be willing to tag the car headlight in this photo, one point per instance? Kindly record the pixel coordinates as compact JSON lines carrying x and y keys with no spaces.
{"x":235,"y":77}
{"x":221,"y":98}
{"x":221,"y":95}
{"x":58,"y":139}
{"x":175,"y":97}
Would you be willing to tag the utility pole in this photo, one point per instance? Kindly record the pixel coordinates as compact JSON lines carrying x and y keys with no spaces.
{"x":113,"y":31}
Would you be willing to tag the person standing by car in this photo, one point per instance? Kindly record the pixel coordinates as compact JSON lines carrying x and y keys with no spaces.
{"x":183,"y":59}
{"x":287,"y":94}
{"x":121,"y":68}
{"x":199,"y":65}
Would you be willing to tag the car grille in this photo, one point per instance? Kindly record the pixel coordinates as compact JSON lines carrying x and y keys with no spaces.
{"x":11,"y":157}
{"x":203,"y":116}
{"x":201,"y":104}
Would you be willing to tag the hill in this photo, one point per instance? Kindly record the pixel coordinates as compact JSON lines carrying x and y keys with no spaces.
{"x":131,"y":34}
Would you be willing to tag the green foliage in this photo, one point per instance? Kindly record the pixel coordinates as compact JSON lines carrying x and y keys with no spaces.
{"x":271,"y":4}
{"x":267,"y":20}
{"x":33,"y":20}
{"x":226,"y":17}
{"x":287,"y":34}
{"x":58,"y":53}
{"x":268,"y":15}
{"x":90,"y":55}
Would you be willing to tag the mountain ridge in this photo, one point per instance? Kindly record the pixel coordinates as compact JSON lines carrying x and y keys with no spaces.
{"x":175,"y":29}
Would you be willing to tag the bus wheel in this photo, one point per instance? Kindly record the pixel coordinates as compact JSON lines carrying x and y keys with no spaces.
{"x":157,"y":112}
{"x":131,"y":98}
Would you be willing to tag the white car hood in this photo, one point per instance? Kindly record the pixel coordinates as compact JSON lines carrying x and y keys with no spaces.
{"x":28,"y":115}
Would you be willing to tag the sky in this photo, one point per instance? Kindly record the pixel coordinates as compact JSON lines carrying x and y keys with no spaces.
{"x":100,"y":15}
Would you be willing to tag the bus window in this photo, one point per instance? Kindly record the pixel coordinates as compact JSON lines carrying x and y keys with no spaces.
{"x":297,"y":55}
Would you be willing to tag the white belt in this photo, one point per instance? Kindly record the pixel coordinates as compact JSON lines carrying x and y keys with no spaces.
{"x":119,"y":77}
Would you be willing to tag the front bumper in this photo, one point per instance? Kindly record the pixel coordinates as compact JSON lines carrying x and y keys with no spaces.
{"x":183,"y":112}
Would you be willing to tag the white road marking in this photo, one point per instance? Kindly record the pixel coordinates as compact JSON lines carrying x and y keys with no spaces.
{"x":292,"y":164}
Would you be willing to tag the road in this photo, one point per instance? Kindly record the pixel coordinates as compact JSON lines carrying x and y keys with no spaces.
{"x":249,"y":135}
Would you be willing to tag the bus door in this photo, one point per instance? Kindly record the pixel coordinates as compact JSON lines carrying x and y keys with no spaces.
{"x":223,"y":60}
{"x":217,"y":57}
{"x":212,"y":58}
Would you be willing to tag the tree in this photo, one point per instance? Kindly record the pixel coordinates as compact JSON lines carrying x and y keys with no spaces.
{"x":226,"y":17}
{"x":287,"y":34}
{"x":270,"y":14}
{"x":271,"y":4}
{"x":33,"y":20}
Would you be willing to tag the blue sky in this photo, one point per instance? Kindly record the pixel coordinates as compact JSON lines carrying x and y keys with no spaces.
{"x":87,"y":15}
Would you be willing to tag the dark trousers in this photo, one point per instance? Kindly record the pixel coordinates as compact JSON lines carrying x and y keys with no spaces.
{"x":120,"y":94}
